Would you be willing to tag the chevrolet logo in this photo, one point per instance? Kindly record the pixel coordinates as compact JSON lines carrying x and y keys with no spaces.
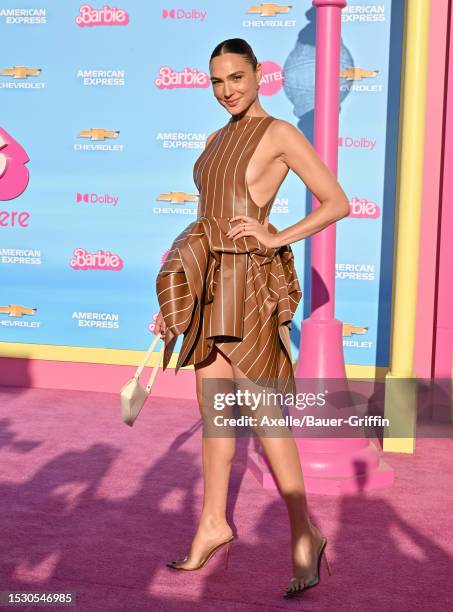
{"x":357,"y":74}
{"x":98,"y":134}
{"x":177,"y":197}
{"x":21,"y":72}
{"x":269,"y":9}
{"x":349,"y":329}
{"x":15,"y":310}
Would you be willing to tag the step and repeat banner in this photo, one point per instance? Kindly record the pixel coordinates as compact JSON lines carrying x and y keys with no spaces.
{"x":104,"y":110}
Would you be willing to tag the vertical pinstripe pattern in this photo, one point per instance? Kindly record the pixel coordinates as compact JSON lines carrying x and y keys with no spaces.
{"x":236,"y":293}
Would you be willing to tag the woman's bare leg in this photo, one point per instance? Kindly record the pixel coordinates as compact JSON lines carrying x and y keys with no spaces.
{"x":283,"y":457}
{"x":217,"y":456}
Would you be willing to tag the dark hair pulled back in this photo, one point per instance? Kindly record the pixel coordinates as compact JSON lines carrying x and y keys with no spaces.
{"x":236,"y":45}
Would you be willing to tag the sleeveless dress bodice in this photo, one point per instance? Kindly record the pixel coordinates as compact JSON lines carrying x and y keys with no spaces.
{"x":219,"y":172}
{"x":237,"y":294}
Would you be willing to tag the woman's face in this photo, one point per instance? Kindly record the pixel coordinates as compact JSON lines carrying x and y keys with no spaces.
{"x":234,"y":82}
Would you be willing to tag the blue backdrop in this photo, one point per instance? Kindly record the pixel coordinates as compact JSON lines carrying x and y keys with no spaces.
{"x":112,"y":106}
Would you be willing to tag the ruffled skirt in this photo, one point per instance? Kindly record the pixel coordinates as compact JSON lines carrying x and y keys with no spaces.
{"x":237,"y":294}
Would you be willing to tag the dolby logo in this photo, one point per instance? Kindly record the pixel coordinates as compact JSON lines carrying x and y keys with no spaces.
{"x":180,"y":13}
{"x":97,"y":198}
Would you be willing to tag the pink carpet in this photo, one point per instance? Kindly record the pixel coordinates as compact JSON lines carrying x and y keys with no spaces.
{"x":92,"y":506}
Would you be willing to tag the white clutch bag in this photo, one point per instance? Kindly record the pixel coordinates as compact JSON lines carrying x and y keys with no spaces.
{"x":132,"y":394}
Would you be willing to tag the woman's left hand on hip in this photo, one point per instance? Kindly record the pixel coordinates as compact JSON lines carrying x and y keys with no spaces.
{"x":252,"y":227}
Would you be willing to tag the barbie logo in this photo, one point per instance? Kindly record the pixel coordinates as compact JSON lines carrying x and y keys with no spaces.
{"x":191,"y":78}
{"x":102,"y":260}
{"x":14,"y":175}
{"x":105,"y":16}
{"x":363,"y":208}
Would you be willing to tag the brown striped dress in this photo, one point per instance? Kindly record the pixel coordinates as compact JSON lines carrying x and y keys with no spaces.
{"x":238,"y":293}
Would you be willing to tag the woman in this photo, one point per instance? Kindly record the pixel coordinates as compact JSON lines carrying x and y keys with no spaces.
{"x":229,"y":284}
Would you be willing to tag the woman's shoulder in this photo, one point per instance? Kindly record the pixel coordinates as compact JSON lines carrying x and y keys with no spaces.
{"x":281,"y":131}
{"x":281,"y":126}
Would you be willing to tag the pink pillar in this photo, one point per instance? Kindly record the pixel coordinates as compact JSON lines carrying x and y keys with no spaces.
{"x":433,"y":356}
{"x":340,"y":465}
{"x":443,"y":356}
{"x":331,"y":465}
{"x":443,"y":328}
